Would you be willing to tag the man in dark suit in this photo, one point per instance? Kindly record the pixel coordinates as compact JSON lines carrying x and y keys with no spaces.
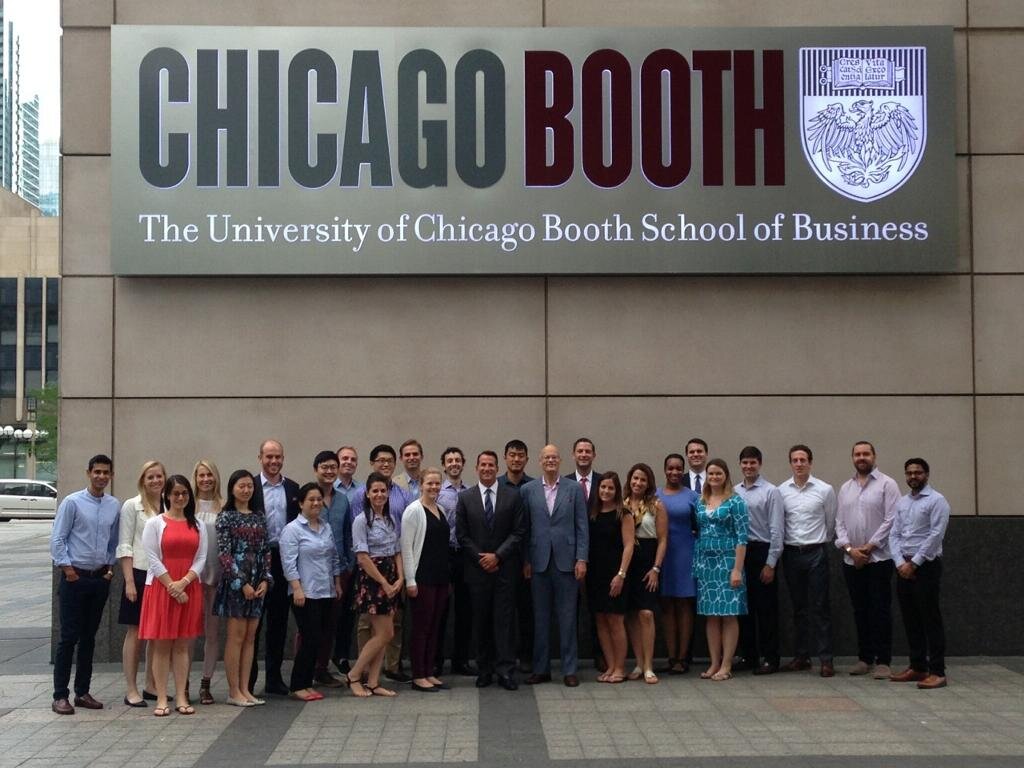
{"x":490,"y":524}
{"x":583,"y":453}
{"x":277,"y":496}
{"x":556,"y":562}
{"x":697,"y":459}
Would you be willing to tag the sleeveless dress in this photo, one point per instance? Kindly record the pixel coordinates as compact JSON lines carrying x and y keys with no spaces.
{"x":721,"y":531}
{"x":605,"y":558}
{"x":163,"y":617}
{"x":677,"y":568}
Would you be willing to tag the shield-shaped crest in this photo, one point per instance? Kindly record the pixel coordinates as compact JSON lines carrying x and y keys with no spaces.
{"x":863,"y":117}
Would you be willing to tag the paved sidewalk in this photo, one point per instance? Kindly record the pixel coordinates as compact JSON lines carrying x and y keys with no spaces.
{"x":795,"y":719}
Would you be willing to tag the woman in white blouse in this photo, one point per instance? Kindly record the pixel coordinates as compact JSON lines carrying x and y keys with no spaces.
{"x":135,"y":512}
{"x":206,"y":484}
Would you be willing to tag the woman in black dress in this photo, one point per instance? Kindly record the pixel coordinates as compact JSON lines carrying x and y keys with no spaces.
{"x":612,"y":533}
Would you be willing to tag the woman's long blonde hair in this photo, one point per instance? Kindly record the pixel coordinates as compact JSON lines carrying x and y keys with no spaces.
{"x":142,"y":487}
{"x":218,"y":500}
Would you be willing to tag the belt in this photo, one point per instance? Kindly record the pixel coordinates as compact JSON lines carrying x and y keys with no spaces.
{"x":98,"y":572}
{"x":757,"y":543}
{"x":805,"y":547}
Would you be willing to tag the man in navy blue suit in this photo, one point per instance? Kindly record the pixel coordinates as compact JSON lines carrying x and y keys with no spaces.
{"x":556,"y":560}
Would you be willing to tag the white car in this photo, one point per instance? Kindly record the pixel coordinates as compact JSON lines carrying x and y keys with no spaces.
{"x":27,"y":498}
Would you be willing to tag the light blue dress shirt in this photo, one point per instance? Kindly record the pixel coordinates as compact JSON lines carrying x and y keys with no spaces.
{"x":919,"y":527}
{"x":378,"y":539}
{"x":309,"y":557}
{"x":337,"y":516}
{"x":398,"y":500}
{"x":766,"y":516}
{"x":85,"y":531}
{"x":275,"y":507}
{"x":446,"y":500}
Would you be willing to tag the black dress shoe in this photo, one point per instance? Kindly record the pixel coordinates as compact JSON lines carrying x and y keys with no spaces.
{"x":62,"y":707}
{"x":741,"y":664}
{"x":465,"y":669}
{"x":425,"y":688}
{"x":508,"y":683}
{"x":766,"y":669}
{"x":537,"y":679}
{"x":484,"y":680}
{"x":571,"y":681}
{"x":341,"y":665}
{"x":277,"y":689}
{"x":398,"y":676}
{"x":86,"y":701}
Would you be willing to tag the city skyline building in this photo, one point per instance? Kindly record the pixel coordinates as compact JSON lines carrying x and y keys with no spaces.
{"x":19,"y":120}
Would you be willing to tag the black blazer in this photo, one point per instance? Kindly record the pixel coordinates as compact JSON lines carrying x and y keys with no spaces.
{"x":686,"y":480}
{"x":503,"y":540}
{"x":595,"y":479}
{"x":291,"y":492}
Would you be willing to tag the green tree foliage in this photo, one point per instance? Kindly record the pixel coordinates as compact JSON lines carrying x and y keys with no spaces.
{"x":47,"y":399}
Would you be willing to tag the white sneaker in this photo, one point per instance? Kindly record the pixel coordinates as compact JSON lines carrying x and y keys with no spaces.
{"x":881,"y":672}
{"x":861,"y":668}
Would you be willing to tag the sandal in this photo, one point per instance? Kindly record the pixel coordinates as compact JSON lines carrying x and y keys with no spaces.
{"x":615,"y":679}
{"x":362,"y":693}
{"x":636,"y":674}
{"x":161,"y":712}
{"x":650,"y":678}
{"x":185,"y":709}
{"x":205,"y":697}
{"x":302,"y":697}
{"x":720,"y":676}
{"x":708,"y":674}
{"x":380,"y":690}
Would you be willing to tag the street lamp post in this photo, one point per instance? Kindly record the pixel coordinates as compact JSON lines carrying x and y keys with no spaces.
{"x":22,"y":435}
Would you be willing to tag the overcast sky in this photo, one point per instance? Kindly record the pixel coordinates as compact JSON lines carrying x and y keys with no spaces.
{"x":37,"y":24}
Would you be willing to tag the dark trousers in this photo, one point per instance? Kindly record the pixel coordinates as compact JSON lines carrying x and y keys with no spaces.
{"x":346,"y":621}
{"x":759,"y":629}
{"x":314,"y":621}
{"x":328,"y":641}
{"x":458,"y":604}
{"x":494,"y":606}
{"x":919,"y":604}
{"x":806,"y":570}
{"x":427,"y":611}
{"x":275,"y":619}
{"x":524,"y":613}
{"x":870,"y":591}
{"x":81,"y":604}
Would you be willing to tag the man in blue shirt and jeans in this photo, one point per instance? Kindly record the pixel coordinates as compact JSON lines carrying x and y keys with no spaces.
{"x":83,"y":546}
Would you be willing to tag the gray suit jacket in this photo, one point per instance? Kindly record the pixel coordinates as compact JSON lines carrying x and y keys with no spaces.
{"x":563,"y":535}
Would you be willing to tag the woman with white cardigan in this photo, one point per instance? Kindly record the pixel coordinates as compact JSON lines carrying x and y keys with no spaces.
{"x":425,"y":535}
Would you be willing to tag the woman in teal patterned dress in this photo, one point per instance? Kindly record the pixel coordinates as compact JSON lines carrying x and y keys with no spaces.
{"x":718,"y":566}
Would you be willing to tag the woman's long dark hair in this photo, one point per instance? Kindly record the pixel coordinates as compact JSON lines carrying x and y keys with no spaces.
{"x":376,"y":477}
{"x":229,"y":502}
{"x":190,"y":508}
{"x":595,"y":500}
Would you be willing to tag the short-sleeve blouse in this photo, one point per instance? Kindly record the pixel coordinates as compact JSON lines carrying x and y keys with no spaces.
{"x":378,"y":539}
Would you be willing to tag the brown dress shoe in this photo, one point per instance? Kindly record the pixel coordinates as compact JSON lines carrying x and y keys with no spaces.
{"x":571,"y":681}
{"x":536,"y":679}
{"x":909,"y":675}
{"x":62,"y":707}
{"x":827,"y":670}
{"x":797,"y":665}
{"x":932,"y":681}
{"x":87,"y":701}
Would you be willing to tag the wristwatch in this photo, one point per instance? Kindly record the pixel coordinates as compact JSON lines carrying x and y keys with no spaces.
{"x":656,"y":568}
{"x":848,"y":549}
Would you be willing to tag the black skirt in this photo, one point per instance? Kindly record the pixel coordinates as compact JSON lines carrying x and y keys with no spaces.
{"x":640,"y":599}
{"x":129,"y":612}
{"x":369,"y":594}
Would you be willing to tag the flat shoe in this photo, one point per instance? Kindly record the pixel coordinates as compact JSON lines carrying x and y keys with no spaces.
{"x":147,"y":696}
{"x":185,"y":709}
{"x":636,"y":674}
{"x":161,"y":712}
{"x":139,"y":703}
{"x":650,"y":678}
{"x":239,"y":702}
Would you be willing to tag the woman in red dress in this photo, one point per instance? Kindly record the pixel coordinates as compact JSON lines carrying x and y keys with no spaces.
{"x":172,"y":609}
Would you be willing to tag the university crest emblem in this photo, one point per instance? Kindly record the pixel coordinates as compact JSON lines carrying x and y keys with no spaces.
{"x":863,"y":117}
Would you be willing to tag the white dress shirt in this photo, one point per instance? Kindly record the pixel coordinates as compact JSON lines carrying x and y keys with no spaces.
{"x":810,"y":511}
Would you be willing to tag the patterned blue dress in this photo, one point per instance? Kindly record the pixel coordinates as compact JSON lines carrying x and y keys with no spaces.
{"x":245,"y":559}
{"x":721,"y":531}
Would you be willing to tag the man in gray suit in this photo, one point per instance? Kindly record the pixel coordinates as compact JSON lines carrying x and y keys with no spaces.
{"x":556,"y":559}
{"x":490,"y":524}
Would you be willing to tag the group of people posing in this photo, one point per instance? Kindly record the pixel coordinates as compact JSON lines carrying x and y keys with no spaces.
{"x":509,"y":557}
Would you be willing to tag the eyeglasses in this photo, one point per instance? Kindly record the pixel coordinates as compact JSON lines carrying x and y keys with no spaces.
{"x":382,"y":460}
